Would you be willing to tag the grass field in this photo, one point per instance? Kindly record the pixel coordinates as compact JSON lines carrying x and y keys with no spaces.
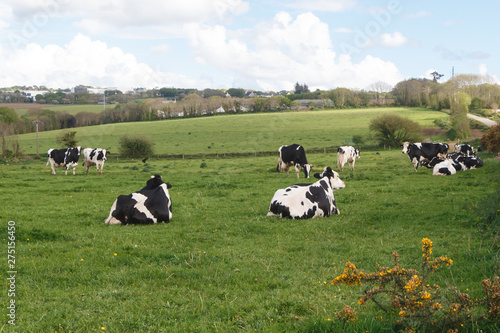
{"x":22,"y":108}
{"x":222,"y":265}
{"x":235,"y":133}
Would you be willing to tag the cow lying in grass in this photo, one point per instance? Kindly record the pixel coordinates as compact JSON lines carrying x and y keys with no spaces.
{"x":303,"y":201}
{"x":150,"y":205}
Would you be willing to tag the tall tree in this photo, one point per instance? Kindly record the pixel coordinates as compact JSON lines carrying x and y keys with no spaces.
{"x":458,"y":114}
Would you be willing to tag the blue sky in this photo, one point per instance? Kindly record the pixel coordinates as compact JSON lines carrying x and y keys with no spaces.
{"x":262,"y":45}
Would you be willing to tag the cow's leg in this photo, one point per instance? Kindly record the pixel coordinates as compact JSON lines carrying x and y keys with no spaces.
{"x":74,"y":169}
{"x":297,"y":169}
{"x":53,"y":167}
{"x":415,"y":163}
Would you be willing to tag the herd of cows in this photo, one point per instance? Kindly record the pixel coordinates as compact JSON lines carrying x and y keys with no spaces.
{"x":152,"y":204}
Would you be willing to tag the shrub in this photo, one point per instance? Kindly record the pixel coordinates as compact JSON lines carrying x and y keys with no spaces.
{"x":491,"y":139}
{"x":67,"y":139}
{"x":418,"y":304}
{"x":135,"y":146}
{"x":393,"y":129}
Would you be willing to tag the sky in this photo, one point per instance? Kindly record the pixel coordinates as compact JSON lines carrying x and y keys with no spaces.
{"x":255,"y":44}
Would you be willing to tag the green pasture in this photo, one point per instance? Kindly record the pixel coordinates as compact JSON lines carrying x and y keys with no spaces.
{"x":235,"y":133}
{"x":222,"y":265}
{"x":69,"y":108}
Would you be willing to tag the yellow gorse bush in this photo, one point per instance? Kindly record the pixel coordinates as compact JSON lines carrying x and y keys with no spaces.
{"x":419,"y":305}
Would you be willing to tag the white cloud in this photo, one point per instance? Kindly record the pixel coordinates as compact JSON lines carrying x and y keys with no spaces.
{"x":286,"y":51}
{"x":388,"y":40}
{"x":160,"y":49}
{"x":483,"y":70}
{"x":84,"y":61}
{"x":324,"y":5}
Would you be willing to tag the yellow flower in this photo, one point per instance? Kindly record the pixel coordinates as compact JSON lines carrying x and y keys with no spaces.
{"x":115,"y":254}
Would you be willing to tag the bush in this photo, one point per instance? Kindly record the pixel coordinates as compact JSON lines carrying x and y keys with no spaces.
{"x":392,"y":130}
{"x":491,"y":139}
{"x":67,"y":139}
{"x":135,"y":146}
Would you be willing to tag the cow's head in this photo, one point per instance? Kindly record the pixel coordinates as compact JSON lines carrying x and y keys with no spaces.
{"x":307,"y":169}
{"x":405,"y":146}
{"x":356,"y":153}
{"x":101,"y":155}
{"x":333,"y":178}
{"x":78,"y":150}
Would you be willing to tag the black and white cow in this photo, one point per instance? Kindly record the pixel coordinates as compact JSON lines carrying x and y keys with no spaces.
{"x":444,"y":167}
{"x":303,"y":201}
{"x":96,"y":157}
{"x":150,"y":205}
{"x":470,"y":162}
{"x":67,"y":158}
{"x":465,"y":150}
{"x":347,"y":154}
{"x":419,"y":152}
{"x":453,"y":162}
{"x":293,"y":155}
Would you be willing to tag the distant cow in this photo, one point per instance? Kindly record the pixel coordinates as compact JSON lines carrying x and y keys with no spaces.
{"x":67,"y":158}
{"x":453,"y":162}
{"x":150,"y":205}
{"x":444,"y":167}
{"x":293,"y":155}
{"x":303,"y":201}
{"x":419,"y":152}
{"x":470,"y":162}
{"x":465,"y":150}
{"x":347,"y":154}
{"x":95,"y":157}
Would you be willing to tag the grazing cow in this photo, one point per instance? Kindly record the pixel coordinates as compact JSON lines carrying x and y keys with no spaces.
{"x":419,"y":152}
{"x":293,"y":155}
{"x":465,"y":150}
{"x":347,"y":154}
{"x":95,"y":157}
{"x":303,"y":201}
{"x":150,"y":205}
{"x":67,"y":158}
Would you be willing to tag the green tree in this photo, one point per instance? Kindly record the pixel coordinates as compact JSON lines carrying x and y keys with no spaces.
{"x":234,"y":92}
{"x":460,"y":127}
{"x":8,"y":115}
{"x":392,"y":130}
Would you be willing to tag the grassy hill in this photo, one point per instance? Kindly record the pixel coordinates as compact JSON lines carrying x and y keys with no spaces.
{"x":236,"y":133}
{"x":22,"y":108}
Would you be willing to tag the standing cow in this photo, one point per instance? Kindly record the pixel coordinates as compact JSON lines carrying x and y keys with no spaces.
{"x":95,"y":157}
{"x":150,"y":205}
{"x":67,"y":158}
{"x":293,"y":155}
{"x":304,"y":201}
{"x":419,"y":152}
{"x":347,"y":154}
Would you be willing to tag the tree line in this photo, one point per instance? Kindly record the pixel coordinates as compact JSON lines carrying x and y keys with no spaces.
{"x":459,"y":95}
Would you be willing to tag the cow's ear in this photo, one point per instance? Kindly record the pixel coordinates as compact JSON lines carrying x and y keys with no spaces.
{"x":317,"y":175}
{"x":169,"y":185}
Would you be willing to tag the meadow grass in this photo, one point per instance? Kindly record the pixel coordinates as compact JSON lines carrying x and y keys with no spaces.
{"x":222,"y":265}
{"x":235,"y":133}
{"x":66,"y":108}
